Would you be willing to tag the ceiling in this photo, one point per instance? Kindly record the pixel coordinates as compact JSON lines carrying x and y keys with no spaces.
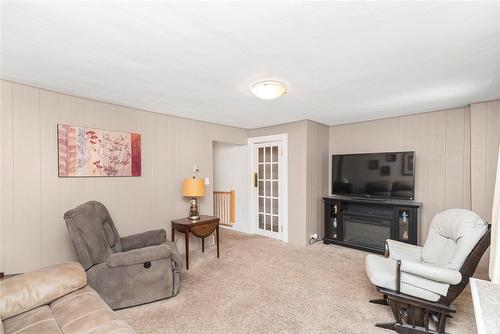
{"x":342,"y":62}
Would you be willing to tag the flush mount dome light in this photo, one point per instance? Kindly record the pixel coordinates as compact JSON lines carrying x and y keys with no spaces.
{"x":268,"y":89}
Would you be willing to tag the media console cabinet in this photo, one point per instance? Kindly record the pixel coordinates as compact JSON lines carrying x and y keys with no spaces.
{"x":365,"y":223}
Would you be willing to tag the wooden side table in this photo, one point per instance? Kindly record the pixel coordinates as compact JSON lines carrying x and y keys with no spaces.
{"x":201,"y":228}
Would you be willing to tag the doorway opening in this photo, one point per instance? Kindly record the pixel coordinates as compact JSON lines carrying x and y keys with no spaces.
{"x":230,"y":185}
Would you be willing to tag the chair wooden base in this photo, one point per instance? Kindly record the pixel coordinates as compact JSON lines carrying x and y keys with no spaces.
{"x":403,"y":328}
{"x":386,"y":325}
{"x":414,"y":315}
{"x":381,"y":301}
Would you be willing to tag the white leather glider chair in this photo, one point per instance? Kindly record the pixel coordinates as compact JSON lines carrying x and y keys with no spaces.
{"x":419,"y":283}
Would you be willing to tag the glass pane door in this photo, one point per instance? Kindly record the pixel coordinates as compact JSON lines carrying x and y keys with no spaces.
{"x":268,"y":160}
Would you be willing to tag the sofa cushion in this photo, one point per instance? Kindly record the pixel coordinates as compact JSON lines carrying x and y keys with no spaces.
{"x":79,"y":312}
{"x":83,"y":311}
{"x":36,"y":321}
{"x":24,"y":292}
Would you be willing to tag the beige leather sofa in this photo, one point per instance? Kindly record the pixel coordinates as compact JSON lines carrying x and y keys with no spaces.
{"x":54,"y":300}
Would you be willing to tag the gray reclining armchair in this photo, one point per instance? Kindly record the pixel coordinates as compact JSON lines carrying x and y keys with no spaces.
{"x":127,"y":271}
{"x":420,"y":283}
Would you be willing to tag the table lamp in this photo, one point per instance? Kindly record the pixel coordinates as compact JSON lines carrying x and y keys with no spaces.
{"x":193,"y":188}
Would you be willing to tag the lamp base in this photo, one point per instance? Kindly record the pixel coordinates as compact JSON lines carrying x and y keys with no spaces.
{"x":194,"y":213}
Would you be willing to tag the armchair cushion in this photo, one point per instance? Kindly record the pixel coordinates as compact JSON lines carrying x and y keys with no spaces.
{"x":115,"y":266}
{"x":145,"y":239}
{"x":137,"y":256}
{"x":452,"y":236}
{"x":93,"y":233}
{"x":403,"y":251}
{"x":175,"y":257}
{"x":381,"y":272}
{"x":24,"y":292}
{"x":438,"y":274}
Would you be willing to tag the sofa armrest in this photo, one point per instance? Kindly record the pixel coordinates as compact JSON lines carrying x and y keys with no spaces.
{"x":438,"y":274}
{"x":145,"y":239}
{"x":137,"y":256}
{"x":398,"y":250}
{"x":24,"y":292}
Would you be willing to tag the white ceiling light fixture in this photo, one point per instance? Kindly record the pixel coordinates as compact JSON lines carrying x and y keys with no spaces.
{"x":268,"y":89}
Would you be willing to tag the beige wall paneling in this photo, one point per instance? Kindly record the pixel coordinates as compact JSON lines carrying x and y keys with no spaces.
{"x":441,"y":154}
{"x":71,"y":191}
{"x":317,"y":176}
{"x":115,"y":193}
{"x":34,"y":199}
{"x":478,"y":158}
{"x":492,"y":142}
{"x":457,"y":159}
{"x":26,"y":160}
{"x":485,"y":138}
{"x":6,"y":180}
{"x":52,"y":235}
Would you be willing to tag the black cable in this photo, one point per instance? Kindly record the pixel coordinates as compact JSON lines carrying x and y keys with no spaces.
{"x":315,"y":241}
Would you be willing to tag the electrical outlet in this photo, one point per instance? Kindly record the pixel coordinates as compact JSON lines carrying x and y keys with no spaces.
{"x":207,"y":181}
{"x":314,"y":236}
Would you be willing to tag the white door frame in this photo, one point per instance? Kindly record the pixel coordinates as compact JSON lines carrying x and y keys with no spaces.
{"x":283,"y":139}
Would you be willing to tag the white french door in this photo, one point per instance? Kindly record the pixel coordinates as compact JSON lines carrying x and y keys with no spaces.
{"x":268,"y":182}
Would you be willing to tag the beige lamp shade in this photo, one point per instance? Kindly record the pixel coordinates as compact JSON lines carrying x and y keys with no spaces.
{"x":193,"y":188}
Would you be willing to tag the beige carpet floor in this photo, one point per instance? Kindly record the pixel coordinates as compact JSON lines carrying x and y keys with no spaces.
{"x":261,"y":285}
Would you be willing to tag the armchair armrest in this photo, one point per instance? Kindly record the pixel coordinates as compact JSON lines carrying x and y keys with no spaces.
{"x":145,"y":239}
{"x":137,"y":256}
{"x":398,"y":250}
{"x":176,"y":259}
{"x":438,"y":274}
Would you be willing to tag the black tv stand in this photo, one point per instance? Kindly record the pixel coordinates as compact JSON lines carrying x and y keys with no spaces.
{"x":371,"y":199}
{"x":365,"y":223}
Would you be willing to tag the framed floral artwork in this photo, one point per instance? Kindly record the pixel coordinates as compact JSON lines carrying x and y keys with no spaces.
{"x":85,"y":152}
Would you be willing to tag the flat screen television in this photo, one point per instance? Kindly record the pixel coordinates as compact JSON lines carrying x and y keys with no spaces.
{"x":378,"y":175}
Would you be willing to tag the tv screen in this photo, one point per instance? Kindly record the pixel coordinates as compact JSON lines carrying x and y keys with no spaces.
{"x":384,"y":175}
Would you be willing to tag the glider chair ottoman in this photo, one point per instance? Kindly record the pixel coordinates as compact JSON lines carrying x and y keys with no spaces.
{"x":420,"y":283}
{"x":125,"y":271}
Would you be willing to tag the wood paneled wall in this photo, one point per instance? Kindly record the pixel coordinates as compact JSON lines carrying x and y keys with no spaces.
{"x":442,"y":145}
{"x":485,"y":139}
{"x":317,"y":176}
{"x":33,"y":199}
{"x":456,"y":156}
{"x":449,"y":172}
